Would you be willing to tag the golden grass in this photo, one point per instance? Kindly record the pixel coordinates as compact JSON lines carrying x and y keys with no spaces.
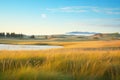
{"x":70,"y":63}
{"x":80,"y":44}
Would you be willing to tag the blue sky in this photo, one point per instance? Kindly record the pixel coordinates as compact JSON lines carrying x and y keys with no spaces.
{"x":59,"y":16}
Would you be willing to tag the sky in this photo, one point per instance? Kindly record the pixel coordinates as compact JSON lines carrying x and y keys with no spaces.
{"x":59,"y":16}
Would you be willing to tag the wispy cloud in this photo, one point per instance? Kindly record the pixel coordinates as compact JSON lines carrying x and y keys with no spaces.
{"x":83,"y":9}
{"x":72,"y":9}
{"x":106,"y":10}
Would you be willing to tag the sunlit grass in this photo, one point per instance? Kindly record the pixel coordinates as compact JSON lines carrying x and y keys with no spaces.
{"x":82,"y":44}
{"x":60,"y":64}
{"x":69,"y":63}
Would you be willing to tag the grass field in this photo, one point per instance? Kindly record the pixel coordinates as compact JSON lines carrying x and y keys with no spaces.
{"x":69,"y":63}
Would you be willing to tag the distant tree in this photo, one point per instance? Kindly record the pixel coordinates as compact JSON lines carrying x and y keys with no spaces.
{"x":21,"y":35}
{"x":7,"y":34}
{"x":2,"y":34}
{"x":32,"y":36}
{"x":13,"y":34}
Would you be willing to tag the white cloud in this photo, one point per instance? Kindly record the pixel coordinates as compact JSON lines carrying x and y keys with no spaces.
{"x":72,"y":9}
{"x":43,"y":15}
{"x":82,"y":9}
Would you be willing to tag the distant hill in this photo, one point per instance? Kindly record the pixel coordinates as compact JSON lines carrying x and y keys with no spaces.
{"x":81,"y":33}
{"x":107,"y":36}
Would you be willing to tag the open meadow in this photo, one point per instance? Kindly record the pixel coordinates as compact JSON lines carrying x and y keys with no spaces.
{"x":87,"y":60}
{"x":59,"y":39}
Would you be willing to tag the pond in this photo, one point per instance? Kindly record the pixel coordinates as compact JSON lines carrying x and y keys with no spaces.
{"x":26,"y":47}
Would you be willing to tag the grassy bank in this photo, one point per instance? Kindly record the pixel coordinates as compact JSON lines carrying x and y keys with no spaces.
{"x":69,"y":63}
{"x":60,"y":64}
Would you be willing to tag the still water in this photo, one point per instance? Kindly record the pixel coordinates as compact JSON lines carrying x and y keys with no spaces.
{"x":26,"y":47}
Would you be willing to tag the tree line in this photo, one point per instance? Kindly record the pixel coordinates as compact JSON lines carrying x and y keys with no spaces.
{"x":11,"y":35}
{"x":14,"y":35}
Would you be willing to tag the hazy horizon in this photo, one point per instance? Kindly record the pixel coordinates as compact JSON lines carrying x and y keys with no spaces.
{"x":42,"y":17}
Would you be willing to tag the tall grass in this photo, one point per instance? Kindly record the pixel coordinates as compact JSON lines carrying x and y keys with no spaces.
{"x":60,"y":64}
